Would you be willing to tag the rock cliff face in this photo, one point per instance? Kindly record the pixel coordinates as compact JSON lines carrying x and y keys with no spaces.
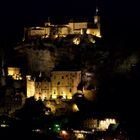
{"x":46,"y":60}
{"x":44,"y":55}
{"x":40,"y":61}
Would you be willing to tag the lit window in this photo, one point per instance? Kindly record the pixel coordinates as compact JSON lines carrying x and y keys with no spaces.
{"x":54,"y":96}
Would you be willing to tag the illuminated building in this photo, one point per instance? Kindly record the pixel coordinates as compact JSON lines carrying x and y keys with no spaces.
{"x":30,"y":86}
{"x":64,"y":83}
{"x":60,"y":84}
{"x":72,"y":27}
{"x":42,"y":88}
{"x":15,"y":73}
{"x":104,"y":124}
{"x":90,"y":123}
{"x":99,"y":124}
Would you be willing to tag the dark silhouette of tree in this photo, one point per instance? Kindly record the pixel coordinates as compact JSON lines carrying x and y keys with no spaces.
{"x":32,"y":109}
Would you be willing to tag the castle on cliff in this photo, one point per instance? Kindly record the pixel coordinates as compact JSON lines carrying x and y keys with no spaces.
{"x":62,"y":30}
{"x":46,"y":49}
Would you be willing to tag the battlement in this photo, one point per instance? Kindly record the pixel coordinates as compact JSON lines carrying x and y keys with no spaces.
{"x":62,"y":30}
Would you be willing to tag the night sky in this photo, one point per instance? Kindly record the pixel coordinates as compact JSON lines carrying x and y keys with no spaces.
{"x":117,"y":16}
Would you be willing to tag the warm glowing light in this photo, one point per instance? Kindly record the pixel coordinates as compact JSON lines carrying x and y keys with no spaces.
{"x":95,"y":20}
{"x":64,"y":96}
{"x":28,"y":77}
{"x":64,"y":35}
{"x":15,"y":73}
{"x":46,"y":36}
{"x":64,"y":30}
{"x":43,"y":97}
{"x":76,"y":41}
{"x":82,"y":32}
{"x":30,"y":88}
{"x":64,"y":132}
{"x":54,"y":96}
{"x":80,"y":136}
{"x":69,"y":97}
{"x":55,"y":36}
{"x":104,"y":124}
{"x":75,"y":108}
{"x":58,"y":87}
{"x":98,"y":35}
{"x":92,"y":40}
{"x":37,"y":27}
{"x":4,"y":125}
{"x":88,"y":31}
{"x":36,"y":96}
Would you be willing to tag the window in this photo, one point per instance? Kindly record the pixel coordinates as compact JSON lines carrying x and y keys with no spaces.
{"x":58,"y":83}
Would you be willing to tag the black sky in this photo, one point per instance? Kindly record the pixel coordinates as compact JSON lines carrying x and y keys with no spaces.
{"x":117,"y":16}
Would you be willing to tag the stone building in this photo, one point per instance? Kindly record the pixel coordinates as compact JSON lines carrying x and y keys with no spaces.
{"x":72,"y":27}
{"x":64,"y":83}
{"x":61,"y":84}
